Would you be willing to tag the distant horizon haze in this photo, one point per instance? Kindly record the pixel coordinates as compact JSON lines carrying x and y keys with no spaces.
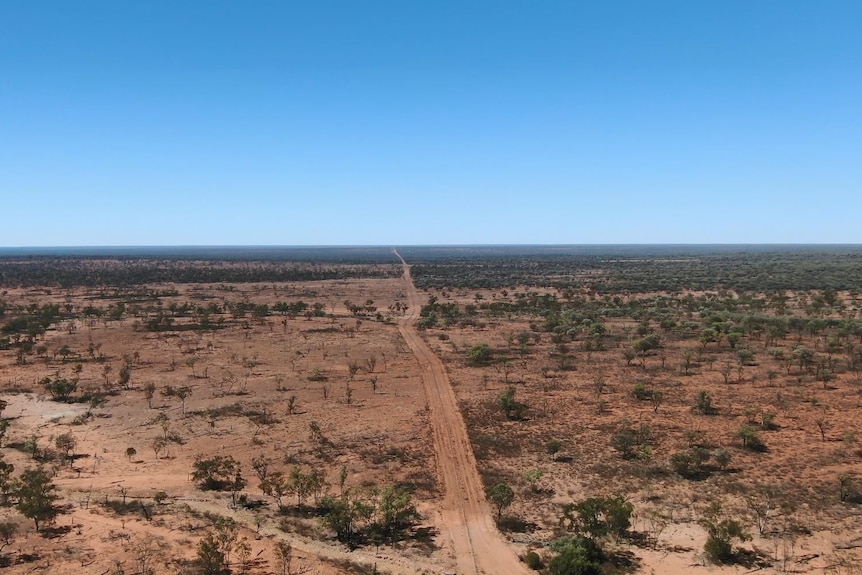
{"x":310,"y":252}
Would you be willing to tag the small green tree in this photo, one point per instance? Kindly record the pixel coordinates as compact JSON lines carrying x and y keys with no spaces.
{"x":226,"y":534}
{"x":708,"y":336}
{"x":7,"y":532}
{"x":576,"y":556}
{"x":596,"y":517}
{"x":656,"y":398}
{"x":339,"y":517}
{"x":125,"y":375}
{"x":585,"y":517}
{"x":36,"y":496}
{"x":625,"y":442}
{"x":720,"y":534}
{"x":750,"y":439}
{"x":533,"y":476}
{"x":618,"y":515}
{"x":501,"y":496}
{"x":641,"y":391}
{"x":284,"y":557}
{"x":66,"y":443}
{"x":689,"y":463}
{"x":210,"y":559}
{"x":703,"y":403}
{"x":630,"y":441}
{"x":7,"y":483}
{"x":479,"y":354}
{"x":61,"y":389}
{"x":149,"y":393}
{"x":31,"y":446}
{"x":182,"y":394}
{"x":645,"y":345}
{"x":216,"y":473}
{"x":722,"y":458}
{"x":533,"y":560}
{"x":275,"y":484}
{"x":510,"y":406}
{"x":395,"y":512}
{"x":345,"y":515}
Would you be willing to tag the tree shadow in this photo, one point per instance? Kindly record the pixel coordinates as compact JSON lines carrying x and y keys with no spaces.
{"x":55,"y":531}
{"x":424,"y":539}
{"x":751,"y":559}
{"x":621,"y":561}
{"x":252,"y":503}
{"x":512,"y":524}
{"x":19,"y":559}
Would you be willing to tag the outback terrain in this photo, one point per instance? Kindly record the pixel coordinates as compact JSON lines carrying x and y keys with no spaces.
{"x":453,"y":411}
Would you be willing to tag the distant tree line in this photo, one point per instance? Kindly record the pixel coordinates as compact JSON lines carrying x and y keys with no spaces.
{"x":840,"y":269}
{"x":92,"y":272}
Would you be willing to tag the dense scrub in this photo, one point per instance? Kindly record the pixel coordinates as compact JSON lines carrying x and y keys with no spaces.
{"x":78,"y":272}
{"x":641,"y":269}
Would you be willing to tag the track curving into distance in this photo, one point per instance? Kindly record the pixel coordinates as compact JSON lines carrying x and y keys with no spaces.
{"x":477,"y":546}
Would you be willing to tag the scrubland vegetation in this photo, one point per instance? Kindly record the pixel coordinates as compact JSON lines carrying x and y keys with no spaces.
{"x":623,"y":409}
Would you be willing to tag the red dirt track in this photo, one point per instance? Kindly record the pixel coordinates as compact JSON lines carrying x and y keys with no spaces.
{"x":466,"y":514}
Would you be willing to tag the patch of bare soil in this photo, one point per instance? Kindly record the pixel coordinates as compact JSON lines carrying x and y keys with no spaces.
{"x":338,"y":392}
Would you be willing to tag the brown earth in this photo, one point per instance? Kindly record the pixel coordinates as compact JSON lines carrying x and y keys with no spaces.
{"x":429,"y":420}
{"x":246,"y":373}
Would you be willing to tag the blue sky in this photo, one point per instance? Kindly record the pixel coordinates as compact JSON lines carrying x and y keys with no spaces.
{"x":393,"y":123}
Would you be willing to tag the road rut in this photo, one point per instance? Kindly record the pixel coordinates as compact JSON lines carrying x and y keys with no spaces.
{"x":476,"y":543}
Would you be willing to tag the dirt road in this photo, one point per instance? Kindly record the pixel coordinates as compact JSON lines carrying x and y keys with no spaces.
{"x":476,"y":543}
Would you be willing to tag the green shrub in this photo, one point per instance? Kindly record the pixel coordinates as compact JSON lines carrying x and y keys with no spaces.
{"x":641,"y":392}
{"x":631,"y":442}
{"x":722,"y":458}
{"x":479,"y":354}
{"x":576,"y":556}
{"x":510,"y":406}
{"x":719,"y":539}
{"x":597,"y":517}
{"x":750,"y":439}
{"x":533,"y":561}
{"x":703,"y":403}
{"x":684,"y":464}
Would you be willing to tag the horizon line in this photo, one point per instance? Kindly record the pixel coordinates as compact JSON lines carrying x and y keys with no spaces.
{"x":429,"y":245}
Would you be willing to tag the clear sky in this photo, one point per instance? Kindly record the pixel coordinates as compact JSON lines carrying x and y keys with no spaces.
{"x":429,"y":122}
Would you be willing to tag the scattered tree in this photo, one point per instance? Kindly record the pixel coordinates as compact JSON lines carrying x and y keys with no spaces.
{"x":37,"y":497}
{"x":703,"y":403}
{"x":576,"y":556}
{"x":217,"y":473}
{"x":553,"y":447}
{"x":66,"y":443}
{"x":479,"y":354}
{"x":210,"y":559}
{"x":596,"y":517}
{"x":720,"y":534}
{"x":510,"y":406}
{"x":501,"y":496}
